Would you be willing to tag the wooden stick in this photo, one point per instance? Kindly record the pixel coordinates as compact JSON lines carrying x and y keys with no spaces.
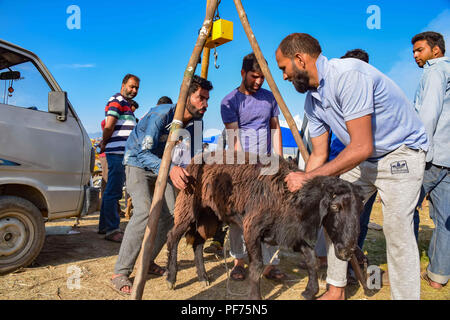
{"x":143,"y":260}
{"x":128,"y":208}
{"x":265,"y":70}
{"x":205,"y":56}
{"x":358,"y":273}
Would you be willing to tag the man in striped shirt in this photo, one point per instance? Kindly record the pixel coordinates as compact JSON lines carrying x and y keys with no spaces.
{"x":120,"y":121}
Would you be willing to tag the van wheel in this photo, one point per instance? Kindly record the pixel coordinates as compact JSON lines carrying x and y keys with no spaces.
{"x":22,"y":233}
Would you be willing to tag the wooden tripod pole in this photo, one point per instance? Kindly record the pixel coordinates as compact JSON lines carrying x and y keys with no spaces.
{"x":143,"y":261}
{"x":266,"y":72}
{"x":205,"y":56}
{"x":284,"y":109}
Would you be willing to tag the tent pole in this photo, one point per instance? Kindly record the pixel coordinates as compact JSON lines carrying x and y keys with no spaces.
{"x":265,"y":70}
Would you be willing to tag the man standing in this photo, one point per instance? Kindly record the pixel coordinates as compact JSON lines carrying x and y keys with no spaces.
{"x":120,"y":121}
{"x":385,"y":143}
{"x":432,"y":101}
{"x":252,"y":112}
{"x":143,"y":155}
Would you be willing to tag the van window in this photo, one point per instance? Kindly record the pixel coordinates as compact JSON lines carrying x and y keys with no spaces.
{"x":30,"y":90}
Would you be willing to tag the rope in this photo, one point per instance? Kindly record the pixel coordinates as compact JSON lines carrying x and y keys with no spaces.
{"x":226,"y":245}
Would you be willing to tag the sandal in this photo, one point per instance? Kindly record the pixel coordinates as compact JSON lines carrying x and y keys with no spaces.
{"x":238,"y":273}
{"x":214,"y":248}
{"x":121,"y":281}
{"x":276,"y":274}
{"x":154,"y":269}
{"x":116,"y":236}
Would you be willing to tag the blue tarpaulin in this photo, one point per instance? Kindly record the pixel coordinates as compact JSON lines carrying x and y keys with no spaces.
{"x":288,"y":138}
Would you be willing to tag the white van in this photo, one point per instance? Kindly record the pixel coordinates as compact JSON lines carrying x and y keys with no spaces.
{"x":46,"y":157}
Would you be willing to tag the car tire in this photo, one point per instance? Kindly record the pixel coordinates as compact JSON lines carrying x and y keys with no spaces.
{"x":22,"y":233}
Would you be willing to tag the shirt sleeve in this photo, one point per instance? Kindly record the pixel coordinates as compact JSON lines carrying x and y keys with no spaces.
{"x":316,"y":126}
{"x":433,"y":92}
{"x":275,"y":108}
{"x":148,"y":144}
{"x":229,"y":111}
{"x":354,"y":93}
{"x":113,"y":109}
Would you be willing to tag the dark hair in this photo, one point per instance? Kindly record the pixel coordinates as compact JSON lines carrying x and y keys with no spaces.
{"x":134,"y":104}
{"x":433,"y":39}
{"x":357,"y":54}
{"x":164,"y":100}
{"x":128,"y":76}
{"x":199,"y":82}
{"x":300,"y":42}
{"x":250,"y":63}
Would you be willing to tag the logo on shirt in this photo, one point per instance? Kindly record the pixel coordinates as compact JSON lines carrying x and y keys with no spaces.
{"x":399,"y":167}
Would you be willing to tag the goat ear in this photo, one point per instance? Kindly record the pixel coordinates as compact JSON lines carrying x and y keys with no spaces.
{"x":323,"y":208}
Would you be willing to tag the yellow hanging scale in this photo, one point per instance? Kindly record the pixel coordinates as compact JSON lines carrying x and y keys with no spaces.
{"x":221,"y":32}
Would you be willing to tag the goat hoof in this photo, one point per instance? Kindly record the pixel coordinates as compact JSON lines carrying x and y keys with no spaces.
{"x":170,"y":285}
{"x":205,"y":283}
{"x":308,"y":295}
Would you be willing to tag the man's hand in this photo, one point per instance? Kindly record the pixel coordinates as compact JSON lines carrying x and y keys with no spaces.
{"x":295,"y":180}
{"x":179,"y":177}
{"x":102,"y":146}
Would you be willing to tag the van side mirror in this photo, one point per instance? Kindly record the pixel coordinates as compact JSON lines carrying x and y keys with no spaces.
{"x":58,"y":104}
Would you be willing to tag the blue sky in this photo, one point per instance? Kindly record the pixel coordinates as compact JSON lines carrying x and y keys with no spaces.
{"x":154,"y":40}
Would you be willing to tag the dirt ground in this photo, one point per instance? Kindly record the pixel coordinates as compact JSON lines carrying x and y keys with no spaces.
{"x":65,"y":256}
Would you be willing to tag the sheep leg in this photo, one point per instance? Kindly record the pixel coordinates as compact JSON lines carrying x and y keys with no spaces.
{"x":253,"y":244}
{"x":198,"y":258}
{"x":173,"y":238}
{"x":309,"y":256}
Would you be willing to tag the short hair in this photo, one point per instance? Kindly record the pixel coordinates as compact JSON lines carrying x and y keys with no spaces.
{"x":300,"y":42}
{"x":433,"y":39}
{"x":164,"y":100}
{"x":250,"y":63}
{"x":128,"y":76}
{"x":199,"y":82}
{"x":134,"y":104}
{"x":357,"y":54}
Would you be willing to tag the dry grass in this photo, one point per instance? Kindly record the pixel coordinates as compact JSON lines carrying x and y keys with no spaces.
{"x":49,"y":276}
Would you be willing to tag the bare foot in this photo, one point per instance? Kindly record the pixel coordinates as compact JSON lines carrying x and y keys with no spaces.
{"x":239,"y":262}
{"x":431,"y":283}
{"x":333,"y":293}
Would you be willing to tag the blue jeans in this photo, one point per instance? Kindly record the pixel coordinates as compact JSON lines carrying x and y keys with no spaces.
{"x":364,"y":220}
{"x":109,"y":216}
{"x":436,"y":183}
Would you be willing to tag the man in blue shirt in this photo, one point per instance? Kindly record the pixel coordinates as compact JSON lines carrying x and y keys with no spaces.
{"x":143,"y":154}
{"x":432,"y":101}
{"x":251,"y":113}
{"x":385,"y":149}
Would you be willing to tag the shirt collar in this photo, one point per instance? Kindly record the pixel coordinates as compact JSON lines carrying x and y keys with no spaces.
{"x":322,"y":68}
{"x":435,"y":60}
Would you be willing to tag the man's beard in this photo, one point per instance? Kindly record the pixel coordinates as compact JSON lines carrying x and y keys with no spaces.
{"x":196,"y":115}
{"x":300,"y":80}
{"x":249,"y":88}
{"x":128,"y":94}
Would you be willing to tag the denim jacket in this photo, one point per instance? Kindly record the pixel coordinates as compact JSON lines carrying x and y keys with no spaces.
{"x":145,"y":145}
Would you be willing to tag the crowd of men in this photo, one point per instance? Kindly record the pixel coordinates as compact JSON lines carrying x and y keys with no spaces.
{"x":387,"y":146}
